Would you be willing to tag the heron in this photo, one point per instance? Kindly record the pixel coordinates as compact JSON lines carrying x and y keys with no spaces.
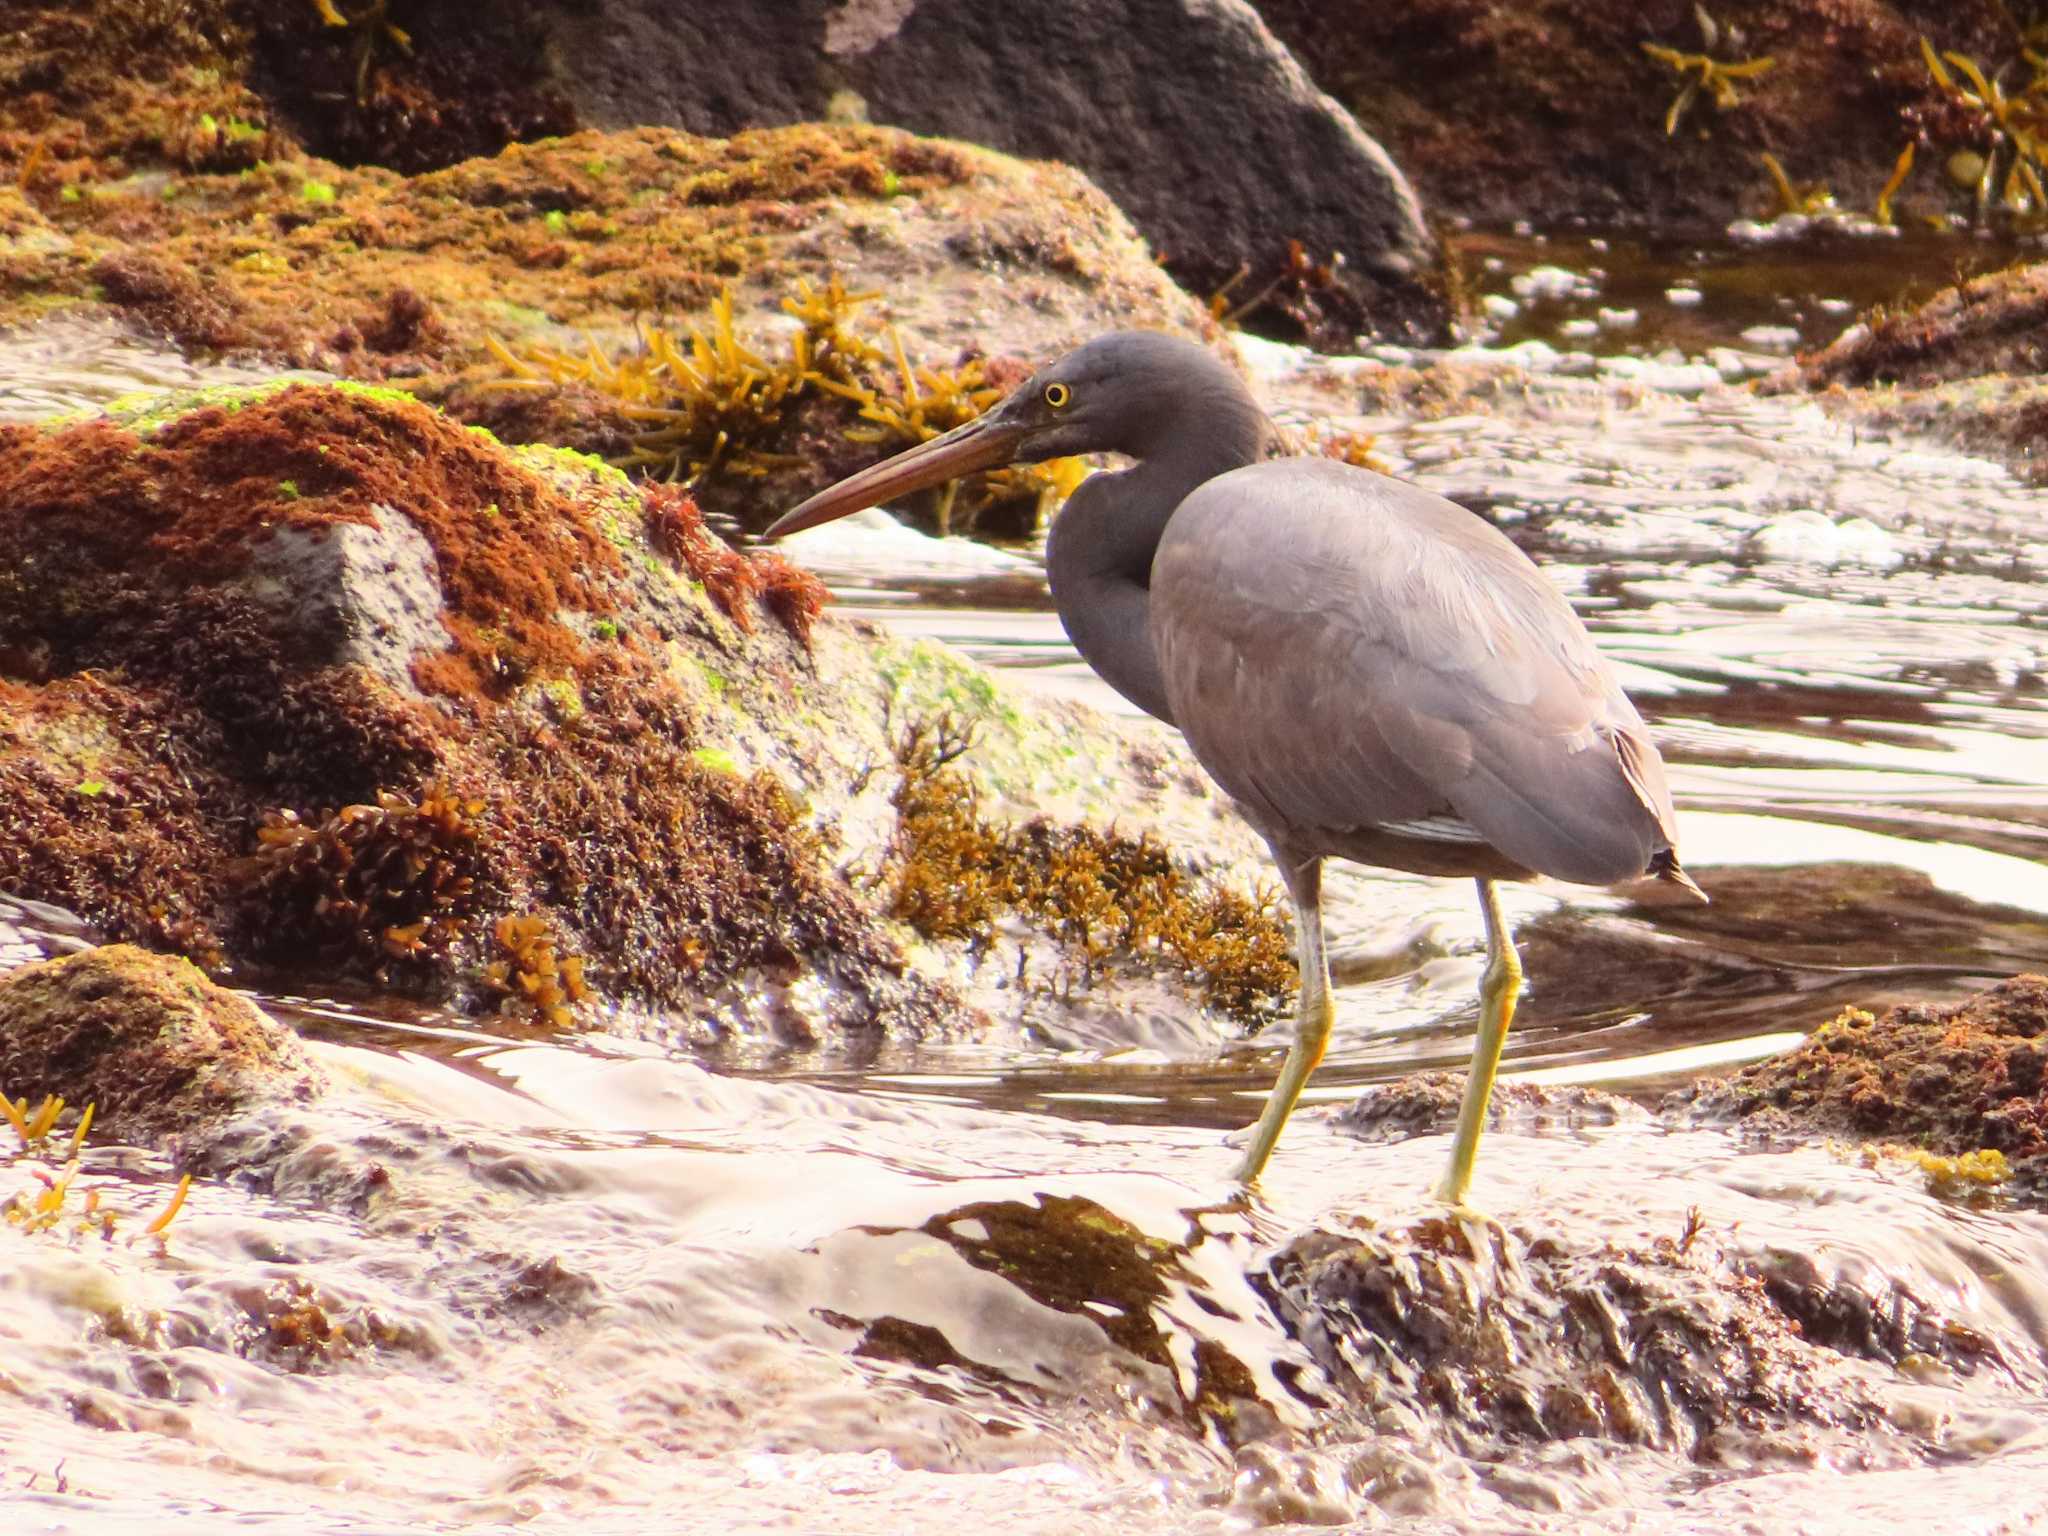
{"x":1370,"y":671}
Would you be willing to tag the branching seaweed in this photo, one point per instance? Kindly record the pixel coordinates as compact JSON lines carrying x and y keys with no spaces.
{"x":1901,"y":169}
{"x":1105,"y":898}
{"x":710,"y":405}
{"x":1811,"y":198}
{"x":45,"y":1206}
{"x":2010,"y":152}
{"x":373,"y":26}
{"x":733,"y":579}
{"x":1703,"y":74}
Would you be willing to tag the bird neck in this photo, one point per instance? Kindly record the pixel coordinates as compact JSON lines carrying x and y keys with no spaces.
{"x":1098,"y":557}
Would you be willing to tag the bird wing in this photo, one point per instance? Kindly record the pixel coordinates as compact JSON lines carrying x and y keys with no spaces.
{"x":1344,"y":651}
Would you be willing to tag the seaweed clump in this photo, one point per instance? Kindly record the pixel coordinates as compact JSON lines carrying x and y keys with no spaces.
{"x":1103,"y":897}
{"x":1703,"y":74}
{"x":46,"y":1205}
{"x":714,"y":412}
{"x":732,"y":579}
{"x":2007,"y":132}
{"x":395,"y":880}
{"x":1957,"y":1082}
{"x":531,"y":974}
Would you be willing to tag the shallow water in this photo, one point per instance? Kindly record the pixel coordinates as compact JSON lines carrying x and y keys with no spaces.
{"x":1619,"y":293}
{"x":592,"y":1283}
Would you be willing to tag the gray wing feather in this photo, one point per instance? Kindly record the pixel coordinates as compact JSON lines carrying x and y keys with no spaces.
{"x":1345,"y":651}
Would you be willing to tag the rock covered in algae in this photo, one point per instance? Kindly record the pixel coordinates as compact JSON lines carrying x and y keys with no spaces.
{"x":1964,"y":367}
{"x":1954,"y":1080}
{"x":312,"y":678}
{"x":1426,"y":1103}
{"x":374,"y":275}
{"x":149,"y":1041}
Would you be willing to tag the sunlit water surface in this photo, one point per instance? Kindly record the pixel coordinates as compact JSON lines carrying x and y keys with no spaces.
{"x":596,"y":1284}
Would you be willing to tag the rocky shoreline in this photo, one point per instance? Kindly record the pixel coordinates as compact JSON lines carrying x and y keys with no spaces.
{"x":392,"y":683}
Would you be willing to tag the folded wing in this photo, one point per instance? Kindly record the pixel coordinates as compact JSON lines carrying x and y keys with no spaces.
{"x":1345,"y":652}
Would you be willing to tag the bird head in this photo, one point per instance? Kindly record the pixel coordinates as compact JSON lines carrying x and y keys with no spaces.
{"x":1119,"y":393}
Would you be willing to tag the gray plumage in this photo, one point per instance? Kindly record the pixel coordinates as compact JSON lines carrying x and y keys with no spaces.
{"x":1367,"y":669}
{"x":1444,"y":676}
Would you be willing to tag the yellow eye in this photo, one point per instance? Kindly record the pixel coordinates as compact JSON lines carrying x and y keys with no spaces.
{"x":1057,"y":395}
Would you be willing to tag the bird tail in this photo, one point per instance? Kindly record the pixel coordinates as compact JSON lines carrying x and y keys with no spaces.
{"x":1665,"y":866}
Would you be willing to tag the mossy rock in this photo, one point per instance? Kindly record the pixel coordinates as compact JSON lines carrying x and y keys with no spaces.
{"x":146,"y":1039}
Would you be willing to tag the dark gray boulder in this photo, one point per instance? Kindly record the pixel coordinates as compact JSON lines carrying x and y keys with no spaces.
{"x":1189,"y":113}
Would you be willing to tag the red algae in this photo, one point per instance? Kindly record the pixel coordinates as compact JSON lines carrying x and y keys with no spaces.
{"x":733,"y":580}
{"x":791,"y":593}
{"x":189,"y":764}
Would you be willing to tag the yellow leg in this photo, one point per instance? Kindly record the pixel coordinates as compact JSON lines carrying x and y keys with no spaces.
{"x":1498,"y":989}
{"x":1312,"y":1022}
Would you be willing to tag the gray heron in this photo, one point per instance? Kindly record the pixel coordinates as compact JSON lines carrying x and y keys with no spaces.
{"x":1367,"y":669}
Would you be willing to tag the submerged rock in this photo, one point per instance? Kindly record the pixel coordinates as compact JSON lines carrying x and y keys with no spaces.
{"x":1504,"y":1336}
{"x":146,"y":1039}
{"x":1426,"y":1103}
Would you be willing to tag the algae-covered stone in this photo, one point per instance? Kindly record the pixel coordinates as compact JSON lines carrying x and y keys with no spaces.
{"x":1954,"y":1081}
{"x":313,"y":678}
{"x":149,"y":1041}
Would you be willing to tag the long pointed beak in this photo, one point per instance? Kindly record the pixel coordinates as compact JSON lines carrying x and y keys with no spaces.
{"x":983,"y":443}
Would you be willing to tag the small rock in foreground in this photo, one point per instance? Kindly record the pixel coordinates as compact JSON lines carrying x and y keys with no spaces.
{"x":147,"y":1039}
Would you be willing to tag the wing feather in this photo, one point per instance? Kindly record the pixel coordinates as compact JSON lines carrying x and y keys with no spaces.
{"x":1344,"y":651}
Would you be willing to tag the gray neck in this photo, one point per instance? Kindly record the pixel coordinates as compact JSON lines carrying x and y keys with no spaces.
{"x":1098,"y":558}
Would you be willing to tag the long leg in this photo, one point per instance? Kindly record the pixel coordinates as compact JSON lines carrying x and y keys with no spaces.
{"x":1312,"y":1021}
{"x":1497,"y":991}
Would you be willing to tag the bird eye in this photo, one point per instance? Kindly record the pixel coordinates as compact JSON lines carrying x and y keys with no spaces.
{"x":1057,"y":395}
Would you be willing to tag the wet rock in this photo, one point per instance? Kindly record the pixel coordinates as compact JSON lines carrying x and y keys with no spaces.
{"x":1187,"y":112}
{"x":1997,"y":324}
{"x":150,"y":1042}
{"x":313,"y":679}
{"x":1112,"y":1288}
{"x":1550,"y":110}
{"x":354,"y":688}
{"x":1965,"y":368}
{"x":1426,"y":1104}
{"x":1507,"y":1336}
{"x":1951,"y":1080}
